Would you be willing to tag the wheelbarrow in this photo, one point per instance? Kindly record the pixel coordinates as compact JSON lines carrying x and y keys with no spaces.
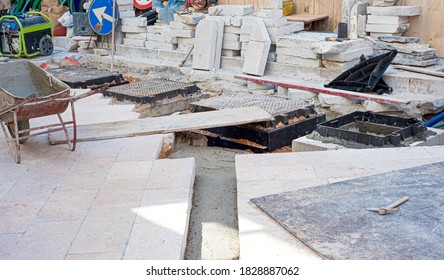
{"x":26,"y":92}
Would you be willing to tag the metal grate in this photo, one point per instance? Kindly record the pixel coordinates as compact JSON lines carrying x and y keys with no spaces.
{"x":273,"y":105}
{"x":81,"y":77}
{"x":152,"y":90}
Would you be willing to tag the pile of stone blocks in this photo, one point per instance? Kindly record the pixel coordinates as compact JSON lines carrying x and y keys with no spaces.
{"x":258,"y":49}
{"x":158,"y":37}
{"x":183,"y":30}
{"x":411,"y":51}
{"x":342,"y":55}
{"x":134,"y":30}
{"x":276,"y":24}
{"x":83,"y":44}
{"x":389,"y":20}
{"x":126,"y":8}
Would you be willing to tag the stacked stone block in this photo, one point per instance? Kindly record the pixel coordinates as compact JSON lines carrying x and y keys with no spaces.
{"x":389,"y":20}
{"x":134,"y":30}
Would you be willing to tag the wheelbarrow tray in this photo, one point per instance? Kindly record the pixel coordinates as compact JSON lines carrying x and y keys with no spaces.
{"x":32,"y":90}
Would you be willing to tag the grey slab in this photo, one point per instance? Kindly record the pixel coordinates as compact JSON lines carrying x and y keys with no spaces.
{"x":333,"y":221}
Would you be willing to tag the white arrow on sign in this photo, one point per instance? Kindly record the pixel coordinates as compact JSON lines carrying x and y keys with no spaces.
{"x":100,"y":14}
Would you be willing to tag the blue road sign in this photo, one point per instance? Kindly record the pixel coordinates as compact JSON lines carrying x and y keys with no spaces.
{"x":100,"y":16}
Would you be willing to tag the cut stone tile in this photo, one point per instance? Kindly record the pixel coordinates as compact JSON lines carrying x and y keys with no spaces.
{"x":302,"y":53}
{"x":154,"y":242}
{"x":349,"y":55}
{"x":124,"y":185}
{"x":139,"y":36}
{"x":293,"y":60}
{"x":5,"y":187}
{"x":183,"y":33}
{"x":270,"y":13}
{"x":338,"y":47}
{"x":256,"y":58}
{"x":167,"y":173}
{"x":259,"y":32}
{"x":104,"y":230}
{"x":145,"y":148}
{"x":28,"y":191}
{"x":273,"y":173}
{"x":136,"y":21}
{"x":193,"y":18}
{"x":231,"y":37}
{"x":133,"y":29}
{"x":95,"y":256}
{"x":232,"y":30}
{"x":402,"y":11}
{"x":7,"y":242}
{"x":388,"y":28}
{"x":159,"y":45}
{"x":230,"y":45}
{"x":206,"y":44}
{"x":130,"y":170}
{"x":231,"y":10}
{"x":302,"y":40}
{"x":180,"y":25}
{"x":16,"y":217}
{"x":230,"y":53}
{"x":386,"y":19}
{"x":67,"y":205}
{"x":134,"y":42}
{"x":46,"y":241}
{"x":114,"y":198}
{"x":339,"y":65}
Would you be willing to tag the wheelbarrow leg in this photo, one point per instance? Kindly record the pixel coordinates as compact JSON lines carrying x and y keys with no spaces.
{"x":14,"y":141}
{"x":68,"y":138}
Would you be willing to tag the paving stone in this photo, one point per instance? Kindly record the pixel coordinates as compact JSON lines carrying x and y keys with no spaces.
{"x":118,"y":198}
{"x":130,"y":170}
{"x":67,"y":205}
{"x":16,"y":217}
{"x":141,"y":148}
{"x":104,"y":230}
{"x":182,"y":33}
{"x":134,"y":29}
{"x":328,"y":100}
{"x":134,"y":42}
{"x":159,"y":45}
{"x":7,"y":242}
{"x":5,"y":187}
{"x":95,"y":256}
{"x":256,"y":58}
{"x":126,"y":14}
{"x":180,"y":26}
{"x":259,"y":32}
{"x":46,"y":240}
{"x":139,"y":36}
{"x":270,"y":13}
{"x":231,"y":10}
{"x":136,"y":21}
{"x":340,"y":65}
{"x":303,"y":53}
{"x":313,"y":63}
{"x":386,"y":19}
{"x":205,"y":49}
{"x":193,"y":18}
{"x":168,"y":173}
{"x":231,"y":37}
{"x":388,"y":28}
{"x":231,"y":45}
{"x":402,"y":11}
{"x":28,"y":191}
{"x":398,"y":39}
{"x":348,"y":55}
{"x":338,"y":47}
{"x":233,"y":30}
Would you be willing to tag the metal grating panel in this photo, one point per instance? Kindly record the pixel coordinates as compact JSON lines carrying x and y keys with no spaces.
{"x":151,"y":90}
{"x":82,"y":77}
{"x":273,"y":105}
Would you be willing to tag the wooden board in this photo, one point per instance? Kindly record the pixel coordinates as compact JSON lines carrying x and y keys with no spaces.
{"x":420,"y":70}
{"x":333,"y":219}
{"x":306,"y":19}
{"x":167,"y":124}
{"x":319,"y":89}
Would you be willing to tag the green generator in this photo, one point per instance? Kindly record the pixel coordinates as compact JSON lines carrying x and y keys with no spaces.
{"x":26,"y":35}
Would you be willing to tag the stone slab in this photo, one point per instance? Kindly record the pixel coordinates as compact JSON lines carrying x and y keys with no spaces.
{"x":402,"y":11}
{"x":231,"y":37}
{"x":159,"y":45}
{"x":231,"y":10}
{"x":206,"y":45}
{"x":180,"y":25}
{"x":259,"y":32}
{"x":307,"y":62}
{"x":351,"y":55}
{"x":256,"y":58}
{"x":386,"y":19}
{"x":338,"y":47}
{"x":399,"y":39}
{"x":192,"y":19}
{"x":133,"y":29}
{"x":134,"y":42}
{"x":231,"y":45}
{"x":182,"y":33}
{"x":319,"y":223}
{"x":136,"y":21}
{"x":342,"y":66}
{"x":388,"y":28}
{"x":259,"y":235}
{"x":303,"y":53}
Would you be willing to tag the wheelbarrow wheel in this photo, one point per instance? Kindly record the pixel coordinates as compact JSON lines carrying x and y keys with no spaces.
{"x":24,"y":124}
{"x":46,"y":46}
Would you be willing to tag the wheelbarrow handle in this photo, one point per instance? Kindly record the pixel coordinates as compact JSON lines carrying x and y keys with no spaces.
{"x":89,"y":93}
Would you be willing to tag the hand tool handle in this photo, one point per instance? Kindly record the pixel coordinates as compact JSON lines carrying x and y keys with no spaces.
{"x":397,"y":203}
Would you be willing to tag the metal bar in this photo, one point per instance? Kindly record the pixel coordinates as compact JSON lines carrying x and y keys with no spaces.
{"x":317,"y":89}
{"x":17,"y":141}
{"x":74,"y":98}
{"x":74,"y":126}
{"x":68,"y":139}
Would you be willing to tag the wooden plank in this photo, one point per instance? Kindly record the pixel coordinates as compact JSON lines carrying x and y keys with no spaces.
{"x":167,"y":124}
{"x":318,"y":89}
{"x":306,"y":18}
{"x":420,"y":70}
